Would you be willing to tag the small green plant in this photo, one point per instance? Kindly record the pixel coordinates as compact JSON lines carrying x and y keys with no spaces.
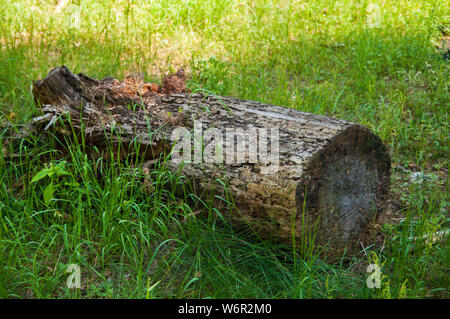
{"x":52,"y":172}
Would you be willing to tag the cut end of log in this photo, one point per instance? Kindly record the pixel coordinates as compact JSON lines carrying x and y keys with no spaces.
{"x":346,"y":184}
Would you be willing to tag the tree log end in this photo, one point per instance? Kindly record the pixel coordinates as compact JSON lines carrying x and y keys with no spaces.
{"x":346,"y":185}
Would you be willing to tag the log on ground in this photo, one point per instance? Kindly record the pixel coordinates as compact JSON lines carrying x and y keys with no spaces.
{"x":329,"y":175}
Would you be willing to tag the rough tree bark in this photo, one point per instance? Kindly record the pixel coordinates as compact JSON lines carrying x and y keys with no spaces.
{"x":331,"y":173}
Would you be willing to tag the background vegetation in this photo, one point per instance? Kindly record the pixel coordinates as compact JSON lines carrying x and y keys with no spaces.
{"x":378,"y":65}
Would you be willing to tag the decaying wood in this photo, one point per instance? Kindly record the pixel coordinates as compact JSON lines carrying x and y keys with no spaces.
{"x":332,"y":174}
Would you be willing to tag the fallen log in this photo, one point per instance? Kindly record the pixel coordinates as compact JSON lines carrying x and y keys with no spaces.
{"x":321,"y":173}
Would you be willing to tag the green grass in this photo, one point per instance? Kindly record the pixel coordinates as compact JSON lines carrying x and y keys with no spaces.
{"x":128,"y":235}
